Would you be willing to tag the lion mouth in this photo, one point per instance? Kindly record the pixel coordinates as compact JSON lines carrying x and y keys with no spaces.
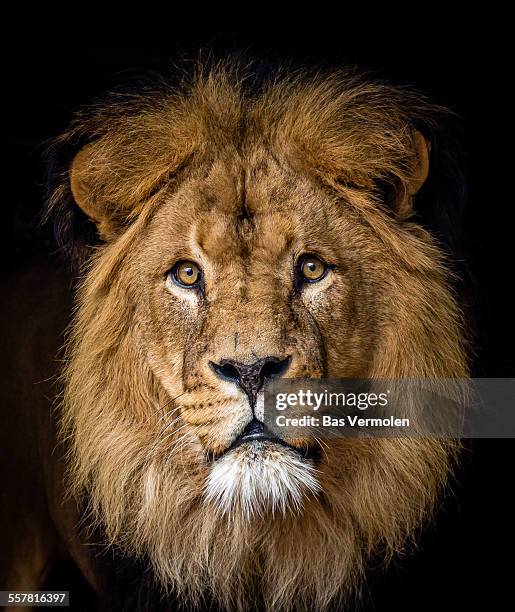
{"x":258,"y":437}
{"x":256,"y":431}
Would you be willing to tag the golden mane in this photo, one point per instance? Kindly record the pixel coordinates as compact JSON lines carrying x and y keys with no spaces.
{"x":354,"y":139}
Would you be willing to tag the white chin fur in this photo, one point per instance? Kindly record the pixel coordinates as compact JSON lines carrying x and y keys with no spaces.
{"x":260,"y":477}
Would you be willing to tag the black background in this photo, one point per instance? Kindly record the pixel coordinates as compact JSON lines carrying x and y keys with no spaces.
{"x":466,"y":559}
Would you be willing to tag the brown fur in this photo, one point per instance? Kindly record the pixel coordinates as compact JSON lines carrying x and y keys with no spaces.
{"x":242,"y":181}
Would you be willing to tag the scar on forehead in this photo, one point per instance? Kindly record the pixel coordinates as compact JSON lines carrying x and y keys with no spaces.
{"x":260,"y":168}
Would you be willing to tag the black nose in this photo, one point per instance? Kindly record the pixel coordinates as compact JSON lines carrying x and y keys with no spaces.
{"x":250,"y":377}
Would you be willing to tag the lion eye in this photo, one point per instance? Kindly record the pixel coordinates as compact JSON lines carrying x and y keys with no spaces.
{"x":312,"y":268}
{"x":185,"y":274}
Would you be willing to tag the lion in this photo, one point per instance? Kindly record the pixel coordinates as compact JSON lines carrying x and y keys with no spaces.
{"x":225,"y":228}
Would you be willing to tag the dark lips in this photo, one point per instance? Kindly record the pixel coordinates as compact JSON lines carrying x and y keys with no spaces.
{"x":256,"y":431}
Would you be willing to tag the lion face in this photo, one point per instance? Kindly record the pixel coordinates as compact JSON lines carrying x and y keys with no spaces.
{"x":272,"y":281}
{"x":265,"y":254}
{"x":251,"y":302}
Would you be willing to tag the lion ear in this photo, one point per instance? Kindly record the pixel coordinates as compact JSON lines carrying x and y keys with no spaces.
{"x":404,"y":197}
{"x":87,"y":193}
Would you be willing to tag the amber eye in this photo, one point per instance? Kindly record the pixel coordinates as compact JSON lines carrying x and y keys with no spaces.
{"x":186,"y":274}
{"x":312,"y":269}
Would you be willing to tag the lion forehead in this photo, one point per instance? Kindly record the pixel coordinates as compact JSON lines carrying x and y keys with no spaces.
{"x":236,"y":208}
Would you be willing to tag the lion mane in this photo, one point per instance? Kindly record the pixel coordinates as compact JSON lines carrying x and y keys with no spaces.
{"x":132,"y":467}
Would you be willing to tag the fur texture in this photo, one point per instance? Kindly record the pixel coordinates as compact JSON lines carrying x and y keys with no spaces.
{"x":243,"y":176}
{"x":255,"y":481}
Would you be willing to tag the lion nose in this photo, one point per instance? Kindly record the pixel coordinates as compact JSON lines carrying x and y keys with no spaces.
{"x":251,"y":376}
